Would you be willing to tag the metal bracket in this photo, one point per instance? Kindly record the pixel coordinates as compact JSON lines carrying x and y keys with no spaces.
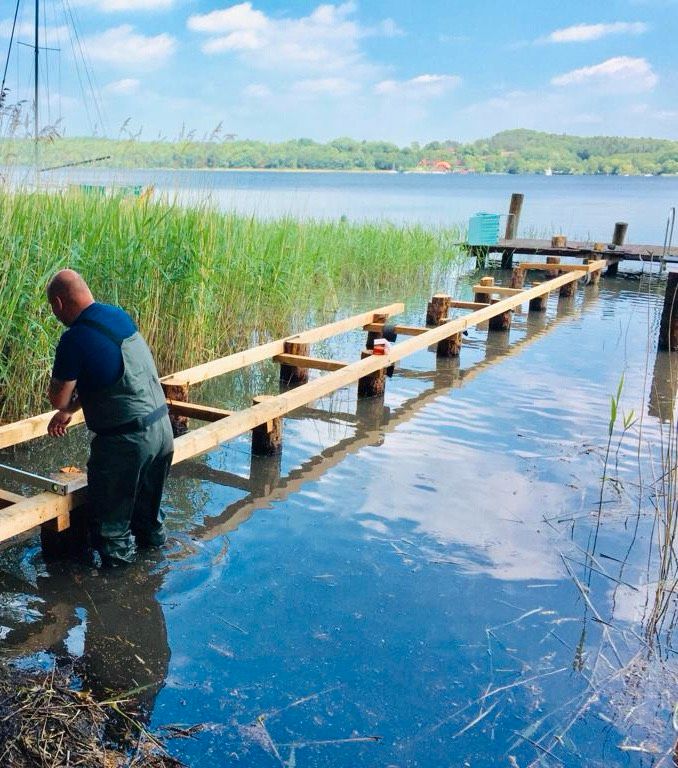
{"x":58,"y":486}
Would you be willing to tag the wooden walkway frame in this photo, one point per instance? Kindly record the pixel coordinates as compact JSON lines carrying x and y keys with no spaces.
{"x":21,"y":516}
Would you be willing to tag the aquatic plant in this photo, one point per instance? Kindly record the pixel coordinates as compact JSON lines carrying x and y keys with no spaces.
{"x":199,"y":282}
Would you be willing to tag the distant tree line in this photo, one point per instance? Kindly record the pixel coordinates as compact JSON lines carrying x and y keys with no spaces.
{"x":517,"y":151}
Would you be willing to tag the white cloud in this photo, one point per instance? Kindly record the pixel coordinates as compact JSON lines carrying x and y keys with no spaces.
{"x":124,"y":87}
{"x":323,"y":44}
{"x":50,"y":35}
{"x":423,"y":85}
{"x":122,"y":46}
{"x":584,"y":33}
{"x":257,"y":91}
{"x":633,"y":74}
{"x":325,"y":86}
{"x":112,"y":6}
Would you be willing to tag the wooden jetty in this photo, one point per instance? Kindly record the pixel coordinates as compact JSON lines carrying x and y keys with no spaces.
{"x":494,"y":305}
{"x":614,"y":251}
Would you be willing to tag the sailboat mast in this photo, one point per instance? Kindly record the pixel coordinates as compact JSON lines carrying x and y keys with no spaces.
{"x":36,"y":83}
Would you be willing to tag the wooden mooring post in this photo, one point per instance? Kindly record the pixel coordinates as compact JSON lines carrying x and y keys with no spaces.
{"x":437,"y":314}
{"x":293,"y":375}
{"x":618,"y":237}
{"x":177,"y":393}
{"x":515,"y":209}
{"x":374,"y":383}
{"x":267,"y":437}
{"x":668,"y":327}
{"x":539,"y":303}
{"x":501,"y":322}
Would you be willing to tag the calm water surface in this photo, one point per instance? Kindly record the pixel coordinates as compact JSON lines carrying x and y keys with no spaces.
{"x":411,"y":570}
{"x":579,"y":206}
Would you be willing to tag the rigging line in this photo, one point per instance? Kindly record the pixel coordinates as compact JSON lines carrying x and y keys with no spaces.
{"x":87,"y":67}
{"x":76,"y":60}
{"x":46,"y":67}
{"x":9,"y":51}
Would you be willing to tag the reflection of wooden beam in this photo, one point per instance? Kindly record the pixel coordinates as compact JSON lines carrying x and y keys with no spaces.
{"x":317,"y":363}
{"x":267,"y":351}
{"x":200,"y":471}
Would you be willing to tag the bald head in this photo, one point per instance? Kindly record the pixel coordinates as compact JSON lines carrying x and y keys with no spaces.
{"x":68,"y":295}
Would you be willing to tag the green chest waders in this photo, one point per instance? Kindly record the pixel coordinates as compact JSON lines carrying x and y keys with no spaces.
{"x":130,"y":455}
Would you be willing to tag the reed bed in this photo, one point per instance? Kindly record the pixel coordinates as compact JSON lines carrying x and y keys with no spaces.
{"x":199,"y":282}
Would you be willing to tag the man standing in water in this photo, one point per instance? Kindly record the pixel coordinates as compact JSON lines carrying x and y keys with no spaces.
{"x":104,"y":366}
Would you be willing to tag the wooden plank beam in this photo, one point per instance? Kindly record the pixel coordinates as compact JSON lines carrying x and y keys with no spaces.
{"x":456,"y":304}
{"x":266,"y":351}
{"x":593,"y":266}
{"x":317,"y":363}
{"x":7,"y":498}
{"x":29,"y":429}
{"x":400,"y":330}
{"x":200,"y":412}
{"x":496,"y":289}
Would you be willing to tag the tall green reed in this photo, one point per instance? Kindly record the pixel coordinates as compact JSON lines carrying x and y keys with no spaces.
{"x":199,"y":282}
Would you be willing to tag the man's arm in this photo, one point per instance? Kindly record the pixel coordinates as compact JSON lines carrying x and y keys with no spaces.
{"x":63,"y":396}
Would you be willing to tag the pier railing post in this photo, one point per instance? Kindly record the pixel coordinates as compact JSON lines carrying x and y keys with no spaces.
{"x":267,"y":437}
{"x":668,"y":327}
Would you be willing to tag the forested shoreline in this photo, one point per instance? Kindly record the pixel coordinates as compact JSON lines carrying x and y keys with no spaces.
{"x":517,"y":151}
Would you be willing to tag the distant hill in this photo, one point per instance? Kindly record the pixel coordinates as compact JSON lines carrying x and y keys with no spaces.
{"x":517,"y":151}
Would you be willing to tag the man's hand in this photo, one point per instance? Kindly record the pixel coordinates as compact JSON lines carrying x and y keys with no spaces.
{"x":58,"y":423}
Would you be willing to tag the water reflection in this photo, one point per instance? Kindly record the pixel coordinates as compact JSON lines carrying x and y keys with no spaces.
{"x":108,"y":625}
{"x":662,"y":400}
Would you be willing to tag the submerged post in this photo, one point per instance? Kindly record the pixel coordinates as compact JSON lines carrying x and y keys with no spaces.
{"x":178,"y":392}
{"x":267,"y":437}
{"x":501,"y":322}
{"x":484,"y":298}
{"x":553,"y":272}
{"x":594,"y":277}
{"x":539,"y":303}
{"x":437,"y":313}
{"x":374,"y":384}
{"x":292,"y":375}
{"x":668,"y":327}
{"x":518,"y":278}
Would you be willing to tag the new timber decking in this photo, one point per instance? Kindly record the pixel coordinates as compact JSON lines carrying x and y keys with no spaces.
{"x":264,"y":417}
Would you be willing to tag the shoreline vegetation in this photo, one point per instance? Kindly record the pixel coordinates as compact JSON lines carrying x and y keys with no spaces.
{"x":198,"y":282}
{"x":513,"y":152}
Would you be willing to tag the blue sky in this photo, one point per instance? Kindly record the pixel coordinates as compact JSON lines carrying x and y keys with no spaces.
{"x":398,"y":70}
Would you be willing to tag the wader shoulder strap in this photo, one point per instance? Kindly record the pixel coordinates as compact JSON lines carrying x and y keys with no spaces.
{"x":97,"y":326}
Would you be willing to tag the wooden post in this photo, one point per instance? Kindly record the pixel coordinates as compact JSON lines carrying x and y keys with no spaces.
{"x":539,"y":303}
{"x":612,"y":268}
{"x":438,"y":309}
{"x":515,"y":209}
{"x":594,"y":277}
{"x":178,"y":392}
{"x":292,"y":375}
{"x":501,"y":322}
{"x":668,"y":327}
{"x":484,"y":298}
{"x":372,"y":336}
{"x":267,"y":437}
{"x":518,"y":278}
{"x":619,"y":234}
{"x":554,"y":272}
{"x":569,"y":290}
{"x":374,"y":384}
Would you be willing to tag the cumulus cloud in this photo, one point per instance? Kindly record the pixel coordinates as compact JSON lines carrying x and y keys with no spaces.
{"x":112,"y":6}
{"x":49,"y":35}
{"x":122,"y":46}
{"x":325,"y":43}
{"x":631,"y":73}
{"x":257,"y":91}
{"x":584,"y":33}
{"x":422,"y":85}
{"x":126,"y":86}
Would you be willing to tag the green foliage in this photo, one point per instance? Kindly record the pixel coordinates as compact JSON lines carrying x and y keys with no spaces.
{"x":198,"y":282}
{"x":518,"y":151}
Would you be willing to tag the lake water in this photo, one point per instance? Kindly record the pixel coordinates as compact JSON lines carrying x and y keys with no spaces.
{"x":432,"y":580}
{"x":585,"y":207}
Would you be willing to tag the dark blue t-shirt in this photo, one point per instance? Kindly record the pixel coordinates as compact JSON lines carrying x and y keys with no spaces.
{"x":86,"y":355}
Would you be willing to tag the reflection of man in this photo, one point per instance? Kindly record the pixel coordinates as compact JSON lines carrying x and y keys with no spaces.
{"x":83,"y":615}
{"x":104,"y":366}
